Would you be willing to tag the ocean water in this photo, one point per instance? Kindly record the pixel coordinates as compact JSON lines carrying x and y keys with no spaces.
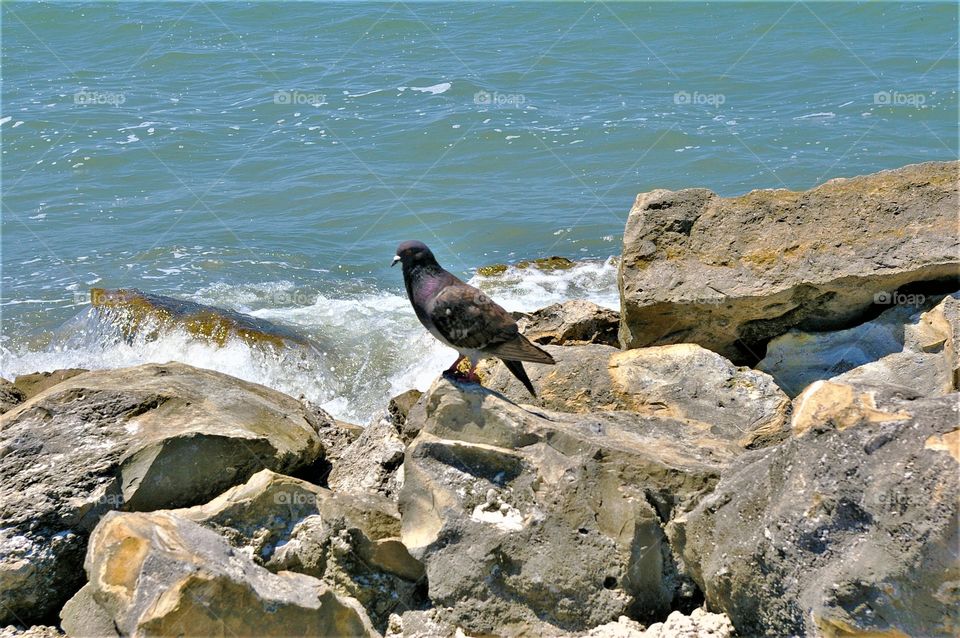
{"x":269,"y":157}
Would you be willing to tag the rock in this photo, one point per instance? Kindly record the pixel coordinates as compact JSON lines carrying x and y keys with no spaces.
{"x":847,"y":528}
{"x":699,"y":624}
{"x":541,"y":263}
{"x":732,"y":273}
{"x":680,"y":382}
{"x":572,"y":323}
{"x":33,"y":384}
{"x":135,"y":311}
{"x":158,"y":574}
{"x":335,"y":435}
{"x":372,"y":462}
{"x":903,"y":346}
{"x":535,"y":521}
{"x":400,"y":405}
{"x":351,"y":542}
{"x":10,"y":396}
{"x":927,"y":363}
{"x":36,"y":631}
{"x":141,"y":438}
{"x":83,"y":616}
{"x":421,"y":624}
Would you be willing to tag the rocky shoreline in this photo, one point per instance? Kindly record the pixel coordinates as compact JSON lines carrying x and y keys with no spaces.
{"x":763,"y":441}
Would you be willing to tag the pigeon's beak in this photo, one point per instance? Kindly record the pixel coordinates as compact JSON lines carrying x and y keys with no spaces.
{"x":396,"y":258}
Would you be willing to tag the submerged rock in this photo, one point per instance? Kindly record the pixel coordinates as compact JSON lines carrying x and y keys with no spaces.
{"x":134,"y":311}
{"x":541,"y":263}
{"x":903,"y":346}
{"x":535,"y":521}
{"x":142,"y":438}
{"x":159,"y":574}
{"x":732,"y":273}
{"x":680,"y":382}
{"x":850,"y":527}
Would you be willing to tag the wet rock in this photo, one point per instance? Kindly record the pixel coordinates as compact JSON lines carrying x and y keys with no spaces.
{"x":159,"y":574}
{"x":142,"y":438}
{"x":536,"y":521}
{"x":572,"y":323}
{"x":903,"y":346}
{"x":541,"y":263}
{"x":135,"y":311}
{"x":732,"y":273}
{"x":847,"y":528}
{"x":351,"y":542}
{"x":684,"y":381}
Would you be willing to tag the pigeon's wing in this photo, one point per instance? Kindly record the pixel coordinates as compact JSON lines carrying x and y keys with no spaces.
{"x":469,"y":319}
{"x":519,"y":349}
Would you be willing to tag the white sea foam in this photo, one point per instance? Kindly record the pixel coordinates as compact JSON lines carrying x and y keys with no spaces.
{"x":435,"y":89}
{"x":370,"y":344}
{"x":809,"y":116}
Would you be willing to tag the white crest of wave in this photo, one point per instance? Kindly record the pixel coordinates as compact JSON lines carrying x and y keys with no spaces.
{"x":371,"y":346}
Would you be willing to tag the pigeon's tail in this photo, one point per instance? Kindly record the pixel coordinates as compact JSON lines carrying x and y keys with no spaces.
{"x":516,"y":367}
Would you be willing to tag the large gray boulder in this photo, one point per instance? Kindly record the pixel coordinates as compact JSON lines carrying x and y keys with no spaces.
{"x":683,"y":381}
{"x":142,"y":438}
{"x":156,"y":574}
{"x":535,"y":521}
{"x":849,"y":528}
{"x":732,"y":273}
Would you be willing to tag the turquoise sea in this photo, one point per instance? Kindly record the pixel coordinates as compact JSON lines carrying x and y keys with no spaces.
{"x":268,"y":157}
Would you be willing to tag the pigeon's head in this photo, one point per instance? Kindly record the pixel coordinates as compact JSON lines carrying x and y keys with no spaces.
{"x":413,"y":253}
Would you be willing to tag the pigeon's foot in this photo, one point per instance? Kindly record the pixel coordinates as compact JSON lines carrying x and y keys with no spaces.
{"x":463,"y":370}
{"x":456,"y":369}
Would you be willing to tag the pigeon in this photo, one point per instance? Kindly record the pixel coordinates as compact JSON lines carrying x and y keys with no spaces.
{"x":464,"y":318}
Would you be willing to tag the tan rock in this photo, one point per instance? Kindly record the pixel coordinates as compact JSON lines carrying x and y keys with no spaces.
{"x":683,"y":381}
{"x":10,"y":396}
{"x":571,"y":323}
{"x":849,"y":529}
{"x":497,"y":498}
{"x":349,"y":541}
{"x":33,"y":384}
{"x":159,"y":574}
{"x":142,"y":438}
{"x":839,"y":405}
{"x":732,"y":273}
